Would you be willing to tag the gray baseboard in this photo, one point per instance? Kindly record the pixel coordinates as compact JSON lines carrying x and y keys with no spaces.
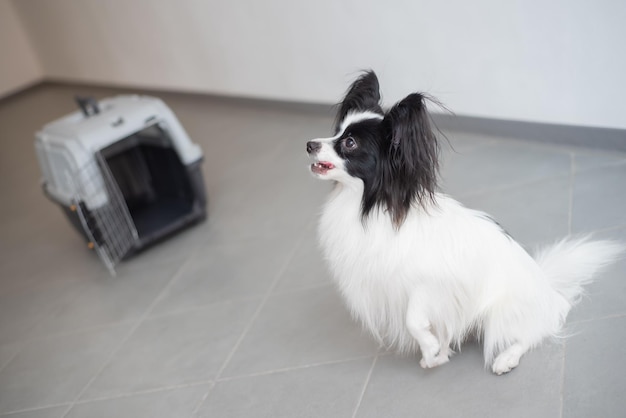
{"x":598,"y":138}
{"x":582,"y":136}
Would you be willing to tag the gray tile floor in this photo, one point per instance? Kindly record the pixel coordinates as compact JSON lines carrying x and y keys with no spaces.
{"x":237,"y":317}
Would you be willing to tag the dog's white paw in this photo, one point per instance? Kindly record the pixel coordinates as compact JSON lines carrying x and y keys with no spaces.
{"x":505,"y":362}
{"x":434,"y":362}
{"x":442,"y":358}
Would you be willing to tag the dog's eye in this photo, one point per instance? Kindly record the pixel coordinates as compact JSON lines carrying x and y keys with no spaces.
{"x":349,"y":143}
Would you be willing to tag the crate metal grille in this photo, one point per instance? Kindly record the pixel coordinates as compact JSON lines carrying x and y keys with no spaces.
{"x":103,"y":212}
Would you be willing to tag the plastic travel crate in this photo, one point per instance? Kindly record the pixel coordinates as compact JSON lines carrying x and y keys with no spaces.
{"x":124,"y":172}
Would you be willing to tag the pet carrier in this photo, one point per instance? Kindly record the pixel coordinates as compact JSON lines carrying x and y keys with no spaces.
{"x":124,"y":172}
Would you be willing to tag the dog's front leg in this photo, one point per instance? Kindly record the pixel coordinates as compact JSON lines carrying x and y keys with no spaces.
{"x":433,"y":353}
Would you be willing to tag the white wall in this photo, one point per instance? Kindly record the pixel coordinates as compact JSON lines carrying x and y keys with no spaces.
{"x":18,"y":64}
{"x":558,"y":61}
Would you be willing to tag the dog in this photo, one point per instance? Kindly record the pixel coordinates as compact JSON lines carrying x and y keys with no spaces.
{"x":418,"y":269}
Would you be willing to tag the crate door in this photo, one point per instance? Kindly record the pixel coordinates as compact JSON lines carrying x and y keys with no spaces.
{"x":103,"y":213}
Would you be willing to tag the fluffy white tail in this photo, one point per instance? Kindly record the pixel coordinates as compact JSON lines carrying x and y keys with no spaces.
{"x":570,"y":264}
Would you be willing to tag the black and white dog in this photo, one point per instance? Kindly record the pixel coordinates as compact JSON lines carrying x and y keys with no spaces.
{"x":417,"y":268}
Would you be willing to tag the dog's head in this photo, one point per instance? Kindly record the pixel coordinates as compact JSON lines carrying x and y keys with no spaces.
{"x":393,"y":155}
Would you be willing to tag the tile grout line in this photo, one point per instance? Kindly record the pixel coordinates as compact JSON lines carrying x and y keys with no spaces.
{"x":504,"y":188}
{"x":35,"y":409}
{"x":524,"y":183}
{"x":572,"y":174}
{"x":192,"y":384}
{"x":69,"y":333}
{"x":305,"y":288}
{"x":562,"y":394}
{"x":612,"y":316}
{"x":266,"y":297}
{"x":450,"y":147}
{"x":608,"y":229}
{"x":294,"y":368}
{"x":365,"y":385}
{"x":550,"y":146}
{"x":199,"y":308}
{"x":19,"y":347}
{"x":134,"y":328}
{"x":112,"y":397}
{"x":146,"y":391}
{"x":253,"y":319}
{"x":610,"y":164}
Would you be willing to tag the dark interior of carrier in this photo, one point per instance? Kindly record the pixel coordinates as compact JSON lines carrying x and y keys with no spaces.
{"x":161,"y":193}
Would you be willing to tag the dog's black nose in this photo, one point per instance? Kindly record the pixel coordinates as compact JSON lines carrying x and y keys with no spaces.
{"x":313,"y":147}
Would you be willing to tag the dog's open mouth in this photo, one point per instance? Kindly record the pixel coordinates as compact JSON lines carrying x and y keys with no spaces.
{"x":321,"y":167}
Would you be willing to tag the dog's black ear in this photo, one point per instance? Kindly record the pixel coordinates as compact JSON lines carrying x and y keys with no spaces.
{"x":363,"y":95}
{"x":413,"y":165}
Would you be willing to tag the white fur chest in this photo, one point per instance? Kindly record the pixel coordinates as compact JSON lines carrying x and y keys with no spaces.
{"x":364,"y":260}
{"x":351,"y":246}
